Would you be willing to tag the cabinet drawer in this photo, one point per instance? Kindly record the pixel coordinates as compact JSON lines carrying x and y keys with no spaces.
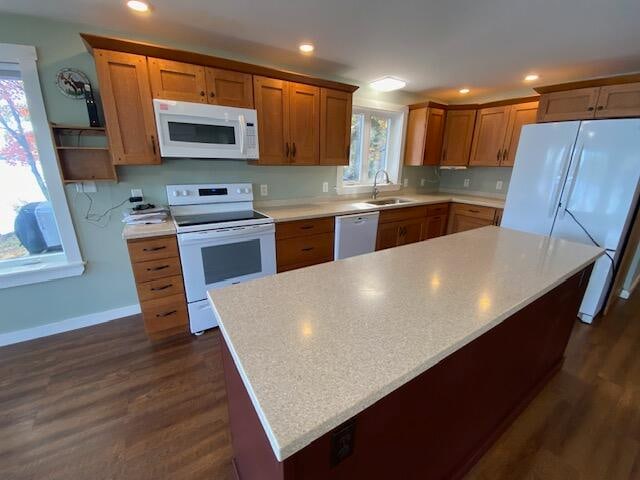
{"x":475,"y":211}
{"x":304,"y":227}
{"x":153,"y":269}
{"x":152,"y":249}
{"x":399,"y":214}
{"x":439,"y":209}
{"x":304,"y":251}
{"x":165,"y":316}
{"x":160,"y":288}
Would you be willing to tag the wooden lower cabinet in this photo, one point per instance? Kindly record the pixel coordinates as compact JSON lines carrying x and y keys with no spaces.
{"x":303,"y":243}
{"x":400,"y":226}
{"x":434,"y":226}
{"x":465,"y":217}
{"x":160,"y":286}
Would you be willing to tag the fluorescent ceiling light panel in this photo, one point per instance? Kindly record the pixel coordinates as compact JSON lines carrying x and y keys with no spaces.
{"x":388,"y":84}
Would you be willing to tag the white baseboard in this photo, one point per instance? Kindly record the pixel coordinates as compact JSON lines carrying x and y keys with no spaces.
{"x":67,"y":325}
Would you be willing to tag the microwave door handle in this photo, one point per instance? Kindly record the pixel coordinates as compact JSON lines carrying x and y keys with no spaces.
{"x":242,"y":133}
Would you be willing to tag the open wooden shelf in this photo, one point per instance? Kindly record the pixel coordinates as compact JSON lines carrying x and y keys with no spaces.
{"x":81,"y":162}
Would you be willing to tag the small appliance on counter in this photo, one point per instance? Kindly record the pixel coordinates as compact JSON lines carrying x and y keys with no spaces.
{"x":196,"y":130}
{"x":222,"y":241}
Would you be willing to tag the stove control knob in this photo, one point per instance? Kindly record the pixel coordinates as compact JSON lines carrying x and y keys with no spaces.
{"x":185,"y":193}
{"x":176,"y":193}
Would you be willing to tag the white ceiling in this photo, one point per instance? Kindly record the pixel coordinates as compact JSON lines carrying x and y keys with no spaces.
{"x":436,"y":46}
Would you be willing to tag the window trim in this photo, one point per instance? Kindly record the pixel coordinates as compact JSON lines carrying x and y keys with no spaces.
{"x":41,"y":268}
{"x":399,"y":112}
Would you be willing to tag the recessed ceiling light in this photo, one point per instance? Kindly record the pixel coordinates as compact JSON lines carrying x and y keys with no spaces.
{"x":388,"y":84}
{"x":464,"y":91}
{"x":306,"y":47}
{"x":138,"y":5}
{"x":531,"y":77}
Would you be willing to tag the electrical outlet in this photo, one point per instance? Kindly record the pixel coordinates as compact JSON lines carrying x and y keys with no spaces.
{"x":264,"y":190}
{"x":466,"y":183}
{"x":325,"y":187}
{"x":406,"y":182}
{"x":499,"y":185}
{"x":136,"y":192}
{"x":86,"y":187}
{"x":422,"y":180}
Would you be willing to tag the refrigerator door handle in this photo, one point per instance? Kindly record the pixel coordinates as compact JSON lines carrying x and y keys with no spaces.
{"x":573,"y":179}
{"x":557,"y":190}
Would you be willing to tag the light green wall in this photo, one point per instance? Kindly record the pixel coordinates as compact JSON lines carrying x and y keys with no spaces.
{"x":108,"y":282}
{"x":482,"y":180}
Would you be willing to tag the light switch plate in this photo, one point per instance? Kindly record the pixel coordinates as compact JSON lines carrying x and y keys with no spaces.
{"x":499,"y":185}
{"x":466,"y":182}
{"x":422,"y":180}
{"x":264,"y":190}
{"x":406,"y":182}
{"x":325,"y":187}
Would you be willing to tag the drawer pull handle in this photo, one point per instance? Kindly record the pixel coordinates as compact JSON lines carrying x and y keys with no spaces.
{"x":473,"y":210}
{"x":166,"y":314}
{"x":155,"y":269}
{"x":306,"y":227}
{"x":164,"y":287}
{"x":154,"y":249}
{"x":307,"y":249}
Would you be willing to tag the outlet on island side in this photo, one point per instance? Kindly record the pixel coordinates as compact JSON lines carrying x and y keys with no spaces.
{"x":325,"y":187}
{"x":264,"y":190}
{"x":466,"y":183}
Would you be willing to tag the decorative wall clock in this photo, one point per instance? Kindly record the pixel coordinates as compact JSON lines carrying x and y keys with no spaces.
{"x":71,"y":83}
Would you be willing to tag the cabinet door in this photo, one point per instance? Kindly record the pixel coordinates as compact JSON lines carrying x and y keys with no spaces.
{"x":388,"y":235}
{"x":619,"y":101}
{"x":128,"y":110}
{"x":579,"y":104}
{"x":458,"y":135}
{"x":435,"y":226}
{"x":304,"y":124}
{"x":177,"y":81}
{"x":435,"y":133}
{"x":410,"y":231}
{"x":489,"y":135}
{"x":335,"y":127}
{"x":519,"y":115}
{"x":462,"y":223}
{"x":416,"y":136}
{"x":272,"y":105}
{"x":233,"y":89}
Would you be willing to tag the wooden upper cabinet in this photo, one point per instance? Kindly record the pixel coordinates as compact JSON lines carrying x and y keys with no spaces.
{"x":489,"y":135}
{"x":579,"y":104}
{"x":128,"y":109}
{"x":425,"y":130}
{"x":177,"y":81}
{"x":272,"y":105}
{"x":458,"y":136}
{"x":519,"y":115}
{"x":233,"y":89}
{"x":619,"y":101}
{"x":335,"y":126}
{"x":304,"y":124}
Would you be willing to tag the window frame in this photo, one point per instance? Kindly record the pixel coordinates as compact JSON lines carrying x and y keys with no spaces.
{"x":395,"y":147}
{"x":41,"y":268}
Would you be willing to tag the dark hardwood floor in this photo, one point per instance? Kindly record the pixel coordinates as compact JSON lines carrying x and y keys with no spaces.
{"x":103,"y":403}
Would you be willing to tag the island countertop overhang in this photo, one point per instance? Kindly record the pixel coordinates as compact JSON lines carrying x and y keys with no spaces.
{"x":314,"y":347}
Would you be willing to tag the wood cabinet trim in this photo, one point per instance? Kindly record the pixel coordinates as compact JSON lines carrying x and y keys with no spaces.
{"x":304,"y":130}
{"x":215,"y":97}
{"x":461,"y":139}
{"x":94,"y":42}
{"x":332,"y":151}
{"x":594,"y":82}
{"x":519,"y":115}
{"x":478,"y":157}
{"x":628,"y":108}
{"x":197,"y":94}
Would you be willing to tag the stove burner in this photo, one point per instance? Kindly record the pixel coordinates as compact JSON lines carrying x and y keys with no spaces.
{"x":219,"y":217}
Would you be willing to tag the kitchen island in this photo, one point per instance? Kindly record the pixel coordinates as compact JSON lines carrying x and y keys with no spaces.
{"x":403,"y":363}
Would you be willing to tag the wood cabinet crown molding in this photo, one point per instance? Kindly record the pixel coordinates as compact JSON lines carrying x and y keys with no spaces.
{"x":474,"y":106}
{"x":157,"y":51}
{"x":593,"y":82}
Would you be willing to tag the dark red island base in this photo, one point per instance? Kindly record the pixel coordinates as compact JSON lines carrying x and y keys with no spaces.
{"x":439,"y":424}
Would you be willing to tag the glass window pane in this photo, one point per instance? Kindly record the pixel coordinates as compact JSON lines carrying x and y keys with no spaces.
{"x":378,"y":141}
{"x":352,"y":172}
{"x":231,"y":260}
{"x":27,"y":222}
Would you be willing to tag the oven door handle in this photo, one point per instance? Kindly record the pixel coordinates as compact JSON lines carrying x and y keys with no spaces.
{"x":248,"y":231}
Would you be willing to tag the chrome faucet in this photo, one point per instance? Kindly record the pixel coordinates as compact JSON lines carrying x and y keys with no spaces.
{"x":375,"y":192}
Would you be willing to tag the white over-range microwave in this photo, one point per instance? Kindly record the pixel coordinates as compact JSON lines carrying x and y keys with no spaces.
{"x":196,"y":130}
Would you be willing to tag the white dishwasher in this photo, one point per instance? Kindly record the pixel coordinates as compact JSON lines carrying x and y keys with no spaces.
{"x":355,"y":234}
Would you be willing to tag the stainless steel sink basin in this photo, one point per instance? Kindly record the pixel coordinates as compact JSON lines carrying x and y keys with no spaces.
{"x":387,"y":201}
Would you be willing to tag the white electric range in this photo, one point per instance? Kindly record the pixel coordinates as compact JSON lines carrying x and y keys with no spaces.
{"x":222,"y":241}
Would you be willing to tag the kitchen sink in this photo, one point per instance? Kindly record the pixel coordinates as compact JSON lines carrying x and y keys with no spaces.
{"x":387,"y":201}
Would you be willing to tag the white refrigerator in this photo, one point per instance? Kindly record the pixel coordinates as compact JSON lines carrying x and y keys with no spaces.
{"x":578,"y":181}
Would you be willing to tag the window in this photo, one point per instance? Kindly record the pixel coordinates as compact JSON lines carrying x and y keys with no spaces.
{"x":376,"y":141}
{"x":37,"y":241}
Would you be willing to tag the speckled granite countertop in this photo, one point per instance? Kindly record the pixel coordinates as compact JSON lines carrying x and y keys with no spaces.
{"x":318,"y":345}
{"x":346,"y":207}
